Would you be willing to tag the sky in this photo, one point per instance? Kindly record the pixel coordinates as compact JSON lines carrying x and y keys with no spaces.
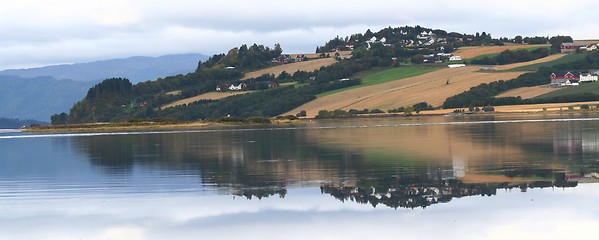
{"x":303,"y":214}
{"x":38,"y":33}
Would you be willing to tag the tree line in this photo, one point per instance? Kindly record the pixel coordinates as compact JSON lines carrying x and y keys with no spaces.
{"x":509,"y":56}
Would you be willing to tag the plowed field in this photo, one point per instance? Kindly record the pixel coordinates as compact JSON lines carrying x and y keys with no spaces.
{"x":431,"y":88}
{"x":528,"y":92}
{"x":470,"y":52}
{"x":291,"y":68}
{"x":205,"y":96}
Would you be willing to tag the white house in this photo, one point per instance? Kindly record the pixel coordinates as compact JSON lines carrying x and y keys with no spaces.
{"x":238,"y":87}
{"x":455,"y":58}
{"x":589,"y":77}
{"x":572,"y":82}
{"x":372,"y":40}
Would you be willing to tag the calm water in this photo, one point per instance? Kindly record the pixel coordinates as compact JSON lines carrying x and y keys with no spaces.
{"x":453,"y":177}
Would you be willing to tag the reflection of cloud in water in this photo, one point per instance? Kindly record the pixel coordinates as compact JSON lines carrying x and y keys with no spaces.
{"x":302,"y":215}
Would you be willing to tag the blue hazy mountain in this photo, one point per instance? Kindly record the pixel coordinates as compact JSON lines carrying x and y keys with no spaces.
{"x":37,"y":93}
{"x":38,"y":98}
{"x":136,"y":69}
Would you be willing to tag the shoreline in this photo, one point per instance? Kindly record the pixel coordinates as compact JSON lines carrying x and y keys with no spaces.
{"x":514,"y":110}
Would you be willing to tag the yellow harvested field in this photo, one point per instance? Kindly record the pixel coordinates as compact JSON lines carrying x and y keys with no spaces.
{"x":528,"y":92}
{"x":291,"y":68}
{"x":470,"y":52}
{"x":521,"y":64}
{"x":588,"y":41}
{"x":543,"y":107}
{"x":430,"y":88}
{"x":205,"y":96}
{"x":530,"y":108}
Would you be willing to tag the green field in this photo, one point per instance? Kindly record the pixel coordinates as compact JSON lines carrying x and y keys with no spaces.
{"x":568,"y":58}
{"x":575,"y":90}
{"x":384,"y":76}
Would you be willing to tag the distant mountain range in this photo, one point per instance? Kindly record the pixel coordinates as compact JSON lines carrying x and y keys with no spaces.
{"x":136,"y":69}
{"x":37,"y":93}
{"x":38,"y":98}
{"x":6,"y":123}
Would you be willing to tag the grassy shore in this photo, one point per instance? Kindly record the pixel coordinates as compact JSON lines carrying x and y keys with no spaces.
{"x":119,"y":127}
{"x":190,"y":125}
{"x":158,"y":126}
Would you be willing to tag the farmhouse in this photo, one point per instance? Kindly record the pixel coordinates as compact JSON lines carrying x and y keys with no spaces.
{"x":281,"y":59}
{"x":589,"y":77}
{"x":560,"y":79}
{"x":239,"y":87}
{"x":571,"y":47}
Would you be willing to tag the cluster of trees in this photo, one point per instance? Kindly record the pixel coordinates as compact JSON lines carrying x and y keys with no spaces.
{"x":110,"y":87}
{"x":508,"y":56}
{"x":244,"y":57}
{"x":484,"y":94}
{"x":353,"y":112}
{"x":99,"y":103}
{"x":526,"y":40}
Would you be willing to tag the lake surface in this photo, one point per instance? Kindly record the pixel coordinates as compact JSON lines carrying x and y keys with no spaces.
{"x":472,"y":177}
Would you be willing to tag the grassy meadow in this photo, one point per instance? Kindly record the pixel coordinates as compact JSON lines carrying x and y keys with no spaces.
{"x":384,"y":76}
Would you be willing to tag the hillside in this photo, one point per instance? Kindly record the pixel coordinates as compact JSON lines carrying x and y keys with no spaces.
{"x":431,"y":88}
{"x":474,"y":51}
{"x":38,"y":98}
{"x":341,"y":83}
{"x":136,"y":69}
{"x":204,"y":96}
{"x":307,"y":66}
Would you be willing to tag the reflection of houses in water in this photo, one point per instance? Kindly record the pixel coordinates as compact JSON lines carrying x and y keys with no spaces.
{"x":573,"y":140}
{"x":583,"y":178}
{"x":590,"y":142}
{"x":460,"y":165}
{"x":567,"y":141}
{"x":237,"y":154}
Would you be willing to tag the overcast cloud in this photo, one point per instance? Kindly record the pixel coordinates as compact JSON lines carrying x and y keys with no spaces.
{"x":36,"y":33}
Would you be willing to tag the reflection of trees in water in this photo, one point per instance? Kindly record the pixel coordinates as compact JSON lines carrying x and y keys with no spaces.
{"x":260,"y":193}
{"x":423,"y":195}
{"x":113,"y":154}
{"x":246,"y":159}
{"x":262,"y":163}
